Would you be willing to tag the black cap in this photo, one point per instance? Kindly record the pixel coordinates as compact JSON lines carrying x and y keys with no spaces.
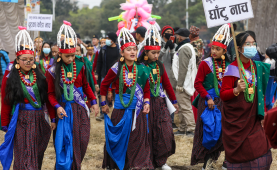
{"x":183,"y":32}
{"x":95,"y":36}
{"x":112,"y":36}
{"x":141,"y":31}
{"x":78,"y":35}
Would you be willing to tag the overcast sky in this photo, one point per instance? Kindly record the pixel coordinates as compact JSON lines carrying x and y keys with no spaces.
{"x":91,"y":3}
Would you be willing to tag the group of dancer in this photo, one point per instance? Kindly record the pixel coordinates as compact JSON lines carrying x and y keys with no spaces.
{"x":59,"y":89}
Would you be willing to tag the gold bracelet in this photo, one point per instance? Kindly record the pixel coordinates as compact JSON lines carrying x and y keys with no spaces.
{"x":235,"y":93}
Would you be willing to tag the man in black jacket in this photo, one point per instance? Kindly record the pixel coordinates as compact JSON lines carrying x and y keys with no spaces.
{"x":108,"y":56}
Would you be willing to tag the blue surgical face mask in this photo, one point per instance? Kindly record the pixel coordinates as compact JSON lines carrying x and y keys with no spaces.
{"x":108,"y":42}
{"x":250,"y":52}
{"x":46,"y":50}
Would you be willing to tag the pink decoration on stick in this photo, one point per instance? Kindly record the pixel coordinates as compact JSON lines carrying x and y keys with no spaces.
{"x":66,"y":23}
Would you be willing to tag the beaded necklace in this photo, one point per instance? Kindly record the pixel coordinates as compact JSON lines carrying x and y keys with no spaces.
{"x":122,"y":80}
{"x":70,"y":83}
{"x":216,"y":70}
{"x":33,"y":78}
{"x":152,"y":83}
{"x":250,"y":87}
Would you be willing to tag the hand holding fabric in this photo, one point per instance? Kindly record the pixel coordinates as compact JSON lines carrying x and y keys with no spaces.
{"x":211,"y":104}
{"x":146,"y":108}
{"x":61,"y":113}
{"x":176,"y":107}
{"x":106,"y":109}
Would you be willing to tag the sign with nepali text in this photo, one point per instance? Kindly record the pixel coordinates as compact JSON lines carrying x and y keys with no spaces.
{"x":39,"y":22}
{"x":219,"y":12}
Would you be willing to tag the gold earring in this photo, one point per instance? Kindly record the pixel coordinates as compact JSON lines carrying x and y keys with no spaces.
{"x":223,"y":57}
{"x":122,"y":59}
{"x":59,"y":59}
{"x":136,"y":59}
{"x":34,"y":66}
{"x":17,"y":66}
{"x":146,"y":57}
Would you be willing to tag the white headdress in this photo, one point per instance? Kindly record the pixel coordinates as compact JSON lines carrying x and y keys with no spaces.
{"x":222,"y":34}
{"x":125,"y":36}
{"x":70,"y":38}
{"x":23,"y":38}
{"x":151,"y":33}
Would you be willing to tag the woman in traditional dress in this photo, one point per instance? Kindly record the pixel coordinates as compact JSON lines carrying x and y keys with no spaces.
{"x":46,"y":58}
{"x":24,"y":92}
{"x":67,"y":84}
{"x":127,"y":145}
{"x":38,"y":44}
{"x":244,"y":139}
{"x":90,"y":53}
{"x":208,"y":83}
{"x":161,"y":137}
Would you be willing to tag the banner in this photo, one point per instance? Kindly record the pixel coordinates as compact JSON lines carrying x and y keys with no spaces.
{"x":13,"y":1}
{"x":31,"y":7}
{"x":39,"y":22}
{"x":219,"y":12}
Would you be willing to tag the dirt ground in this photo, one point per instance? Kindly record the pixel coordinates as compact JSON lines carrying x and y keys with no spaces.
{"x":94,"y":155}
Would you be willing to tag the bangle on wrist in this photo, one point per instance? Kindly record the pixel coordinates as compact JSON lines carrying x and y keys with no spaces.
{"x":104,"y":103}
{"x":174,"y":102}
{"x":93,"y":102}
{"x":236,"y":94}
{"x":208,"y":97}
{"x":147,"y":102}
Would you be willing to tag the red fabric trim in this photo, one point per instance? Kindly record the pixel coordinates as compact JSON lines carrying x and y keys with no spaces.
{"x":24,"y":52}
{"x":219,"y":44}
{"x":127,"y":45}
{"x":67,"y":51}
{"x":152,"y":47}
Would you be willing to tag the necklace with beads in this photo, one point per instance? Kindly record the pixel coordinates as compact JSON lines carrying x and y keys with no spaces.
{"x":122,"y":80}
{"x":154,"y":83}
{"x":250,"y":87}
{"x":24,"y":83}
{"x":27,"y":76}
{"x":70,"y":83}
{"x":218,"y":70}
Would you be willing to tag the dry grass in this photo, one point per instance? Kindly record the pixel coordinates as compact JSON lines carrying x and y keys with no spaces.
{"x":94,"y":155}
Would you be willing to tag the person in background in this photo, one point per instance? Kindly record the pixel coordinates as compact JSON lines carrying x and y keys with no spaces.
{"x":197,"y":43}
{"x":270,"y":58}
{"x":38,"y":44}
{"x":108,"y":55}
{"x":140,"y":35}
{"x":245,"y":143}
{"x":82,"y":45}
{"x":46,"y":58}
{"x":103,"y":42}
{"x":54,"y":50}
{"x":176,"y":29}
{"x":62,"y":37}
{"x":184,"y":63}
{"x":166,"y":55}
{"x":95,"y":43}
{"x":231,"y":52}
{"x":4,"y":62}
{"x":78,"y":50}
